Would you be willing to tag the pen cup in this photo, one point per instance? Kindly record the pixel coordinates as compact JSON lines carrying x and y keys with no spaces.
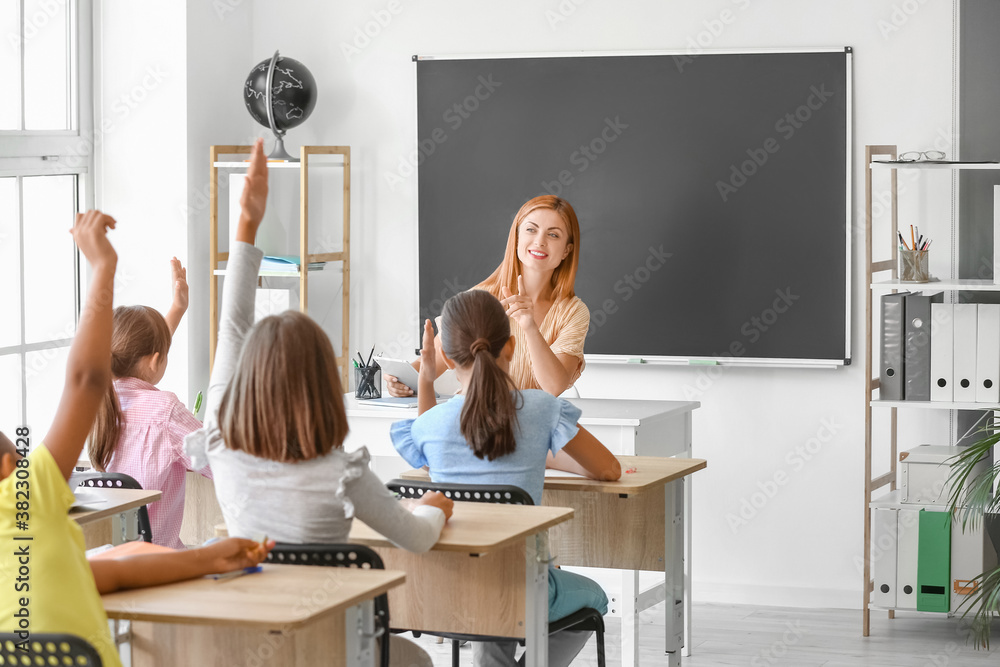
{"x":913,"y":266}
{"x":368,"y":381}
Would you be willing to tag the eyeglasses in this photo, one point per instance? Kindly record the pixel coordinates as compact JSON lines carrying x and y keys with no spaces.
{"x":917,"y":156}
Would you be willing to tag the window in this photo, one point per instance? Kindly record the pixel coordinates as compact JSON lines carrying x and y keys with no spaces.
{"x":45,"y":178}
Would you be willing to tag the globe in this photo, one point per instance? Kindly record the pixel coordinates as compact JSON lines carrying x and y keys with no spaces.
{"x":292,"y":95}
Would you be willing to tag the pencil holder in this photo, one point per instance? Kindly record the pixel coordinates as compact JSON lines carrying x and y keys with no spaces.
{"x":913,"y":266}
{"x":368,"y":382}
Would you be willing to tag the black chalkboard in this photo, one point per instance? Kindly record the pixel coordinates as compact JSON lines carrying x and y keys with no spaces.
{"x":712,"y":192}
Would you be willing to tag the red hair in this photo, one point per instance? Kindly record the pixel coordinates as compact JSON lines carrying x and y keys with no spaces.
{"x":564,"y":277}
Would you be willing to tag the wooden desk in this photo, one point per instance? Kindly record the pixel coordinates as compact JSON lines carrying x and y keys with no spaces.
{"x":488,"y":574}
{"x":286,"y":615}
{"x":114,"y":521}
{"x":625,"y":427}
{"x":636,"y":523}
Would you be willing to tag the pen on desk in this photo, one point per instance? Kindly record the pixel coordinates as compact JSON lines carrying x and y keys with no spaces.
{"x":912,"y":239}
{"x":370,"y":355}
{"x":237,"y":573}
{"x":902,"y":243}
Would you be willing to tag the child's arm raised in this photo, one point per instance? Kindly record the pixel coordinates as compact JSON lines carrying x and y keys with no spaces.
{"x":179,"y":305}
{"x":165,"y":568}
{"x":88,"y":368}
{"x":426,"y":397}
{"x":585,"y":455}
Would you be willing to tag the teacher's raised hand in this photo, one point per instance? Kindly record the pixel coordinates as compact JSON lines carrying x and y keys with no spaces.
{"x":519,"y":306}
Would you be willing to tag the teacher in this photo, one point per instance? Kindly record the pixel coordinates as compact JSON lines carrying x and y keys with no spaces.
{"x":534,"y":282}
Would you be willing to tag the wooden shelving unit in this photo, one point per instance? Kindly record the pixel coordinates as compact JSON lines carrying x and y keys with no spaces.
{"x":881,"y":157}
{"x":306,"y":258}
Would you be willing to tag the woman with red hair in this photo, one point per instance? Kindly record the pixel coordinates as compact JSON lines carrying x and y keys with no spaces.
{"x":534,"y":282}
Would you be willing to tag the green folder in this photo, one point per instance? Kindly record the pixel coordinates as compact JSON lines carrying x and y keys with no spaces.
{"x":934,"y":561}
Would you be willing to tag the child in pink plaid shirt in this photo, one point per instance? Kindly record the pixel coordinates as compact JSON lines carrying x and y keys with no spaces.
{"x":139,"y":429}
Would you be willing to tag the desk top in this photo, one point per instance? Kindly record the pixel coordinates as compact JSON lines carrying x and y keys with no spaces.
{"x":118,"y":500}
{"x":596,"y":411}
{"x":281,"y":597}
{"x":650,"y":472}
{"x":479,"y":527}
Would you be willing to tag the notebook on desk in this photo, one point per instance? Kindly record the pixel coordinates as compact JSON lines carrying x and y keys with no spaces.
{"x":398,"y":401}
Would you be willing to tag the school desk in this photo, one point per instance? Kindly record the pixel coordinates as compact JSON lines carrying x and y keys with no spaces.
{"x":487,"y":574}
{"x":283,"y":616}
{"x":632,"y":524}
{"x":116,"y":519}
{"x":625,"y":427}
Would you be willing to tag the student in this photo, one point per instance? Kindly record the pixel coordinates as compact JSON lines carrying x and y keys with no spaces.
{"x":495,"y":434}
{"x":139,"y":429}
{"x":535,"y":284}
{"x":46,"y":579}
{"x":276,"y":422}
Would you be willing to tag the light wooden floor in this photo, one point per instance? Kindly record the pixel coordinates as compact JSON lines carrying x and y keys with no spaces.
{"x":728,"y":635}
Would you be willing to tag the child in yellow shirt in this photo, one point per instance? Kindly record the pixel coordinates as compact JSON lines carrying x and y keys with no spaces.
{"x":46,"y":583}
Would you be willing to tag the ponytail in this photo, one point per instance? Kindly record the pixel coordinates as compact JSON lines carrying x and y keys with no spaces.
{"x":474,"y":330}
{"x":107,"y":430}
{"x":136,"y":332}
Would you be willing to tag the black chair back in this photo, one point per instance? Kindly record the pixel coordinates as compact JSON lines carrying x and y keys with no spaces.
{"x":119,"y":480}
{"x":47,"y":649}
{"x":506,"y":494}
{"x":340,"y":555}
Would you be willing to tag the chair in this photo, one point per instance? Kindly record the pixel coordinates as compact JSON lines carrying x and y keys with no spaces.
{"x":47,"y":649}
{"x":119,"y":480}
{"x":586,"y":619}
{"x":341,"y":555}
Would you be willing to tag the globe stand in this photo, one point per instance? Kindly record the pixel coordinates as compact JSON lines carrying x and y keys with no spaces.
{"x":279,"y":152}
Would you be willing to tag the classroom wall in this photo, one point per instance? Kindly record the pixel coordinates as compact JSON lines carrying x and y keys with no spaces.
{"x":778,"y":513}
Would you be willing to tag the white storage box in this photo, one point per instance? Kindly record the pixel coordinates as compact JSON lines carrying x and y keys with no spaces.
{"x":924,"y":472}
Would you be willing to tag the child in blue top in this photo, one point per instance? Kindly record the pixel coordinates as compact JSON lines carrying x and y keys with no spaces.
{"x":495,"y":434}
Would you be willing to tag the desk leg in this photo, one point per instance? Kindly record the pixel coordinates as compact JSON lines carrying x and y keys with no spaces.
{"x":686,"y":517}
{"x":125,"y":527}
{"x":630,"y":618}
{"x":359,"y":635}
{"x":536,"y":600}
{"x":674,"y":548}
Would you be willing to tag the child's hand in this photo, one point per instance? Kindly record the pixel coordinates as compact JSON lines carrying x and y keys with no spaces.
{"x":438,"y":499}
{"x":180,"y":286}
{"x":253,"y":201}
{"x":428,"y":355}
{"x":91,"y":235}
{"x":234,"y":553}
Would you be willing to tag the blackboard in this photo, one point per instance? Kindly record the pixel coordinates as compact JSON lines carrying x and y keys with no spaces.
{"x":712,"y":190}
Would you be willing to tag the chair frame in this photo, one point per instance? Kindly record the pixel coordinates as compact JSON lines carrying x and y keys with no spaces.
{"x":119,"y":480}
{"x":583,"y":620}
{"x":341,"y":555}
{"x":47,"y":645}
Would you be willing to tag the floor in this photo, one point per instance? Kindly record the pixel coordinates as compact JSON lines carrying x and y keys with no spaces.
{"x":729,"y":635}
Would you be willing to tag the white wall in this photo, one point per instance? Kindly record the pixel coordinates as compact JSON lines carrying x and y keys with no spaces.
{"x":803,"y":545}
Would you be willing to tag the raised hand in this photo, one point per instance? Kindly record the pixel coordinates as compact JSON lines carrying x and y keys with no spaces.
{"x":253,"y":201}
{"x":178,"y":275}
{"x":519,"y":306}
{"x":91,"y":235}
{"x":428,"y":355}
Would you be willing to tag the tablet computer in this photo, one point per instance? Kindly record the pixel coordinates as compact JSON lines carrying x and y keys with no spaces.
{"x":403,"y":371}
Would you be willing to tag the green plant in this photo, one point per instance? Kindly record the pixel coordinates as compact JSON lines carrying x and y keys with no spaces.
{"x":972,"y":498}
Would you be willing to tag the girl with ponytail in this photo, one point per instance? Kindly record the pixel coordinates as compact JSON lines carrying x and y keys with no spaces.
{"x":139,"y":429}
{"x":493,"y":433}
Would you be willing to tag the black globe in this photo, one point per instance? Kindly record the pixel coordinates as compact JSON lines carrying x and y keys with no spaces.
{"x":293,"y":93}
